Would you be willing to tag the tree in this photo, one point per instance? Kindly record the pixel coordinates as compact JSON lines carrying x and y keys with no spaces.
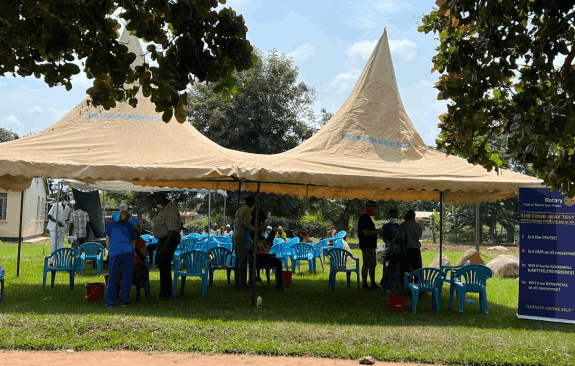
{"x":189,"y":40}
{"x":507,"y":67}
{"x":7,"y":135}
{"x":272,"y":112}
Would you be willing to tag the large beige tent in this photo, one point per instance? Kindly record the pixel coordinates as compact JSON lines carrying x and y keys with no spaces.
{"x":369,"y":149}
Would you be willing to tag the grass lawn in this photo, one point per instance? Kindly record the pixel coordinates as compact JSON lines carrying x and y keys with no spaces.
{"x":307,"y":319}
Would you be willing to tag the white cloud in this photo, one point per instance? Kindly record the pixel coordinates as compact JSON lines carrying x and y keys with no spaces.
{"x":37,"y":109}
{"x":404,"y":49}
{"x":362,"y":49}
{"x":11,"y":119}
{"x":385,"y":5}
{"x":302,"y":53}
{"x":345,"y":80}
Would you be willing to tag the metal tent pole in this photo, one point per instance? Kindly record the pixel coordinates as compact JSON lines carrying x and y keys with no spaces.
{"x":57,"y":212}
{"x":209,"y":216}
{"x":224,"y":223}
{"x":256,"y":237}
{"x":440,"y":229}
{"x":477,"y":226}
{"x":20,"y":234}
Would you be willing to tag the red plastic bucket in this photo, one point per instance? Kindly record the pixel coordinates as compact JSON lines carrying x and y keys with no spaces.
{"x":94,"y":291}
{"x":286,"y":277}
{"x":396,"y":303}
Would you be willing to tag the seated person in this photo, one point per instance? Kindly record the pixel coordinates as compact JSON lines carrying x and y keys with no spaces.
{"x":396,"y":262}
{"x":264,"y":258}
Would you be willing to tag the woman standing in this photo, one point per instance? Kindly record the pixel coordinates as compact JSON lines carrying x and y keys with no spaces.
{"x":121,"y":239}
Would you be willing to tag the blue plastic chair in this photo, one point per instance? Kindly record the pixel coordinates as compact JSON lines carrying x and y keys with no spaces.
{"x":194,"y":263}
{"x":471,"y":278}
{"x":91,"y":252}
{"x":338,"y":259}
{"x":448,"y":272}
{"x":220,"y":258}
{"x":279,"y":241}
{"x":317,"y":252}
{"x":64,"y":261}
{"x":424,"y":280}
{"x":284,"y":253}
{"x":185,"y":246}
{"x":302,"y":252}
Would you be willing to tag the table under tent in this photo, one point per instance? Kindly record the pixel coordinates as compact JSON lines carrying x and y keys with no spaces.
{"x":368,"y":150}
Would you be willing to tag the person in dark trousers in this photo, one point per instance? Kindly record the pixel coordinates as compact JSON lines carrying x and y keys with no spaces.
{"x":121,"y":237}
{"x":167,"y":231}
{"x":409,"y":234}
{"x":241,"y":228}
{"x":264,"y":258}
{"x":367,"y":234}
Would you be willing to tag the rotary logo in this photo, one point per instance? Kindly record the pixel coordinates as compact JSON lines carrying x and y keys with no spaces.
{"x":569,"y":201}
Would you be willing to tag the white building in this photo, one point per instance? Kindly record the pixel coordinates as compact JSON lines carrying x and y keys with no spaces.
{"x":34,"y":214}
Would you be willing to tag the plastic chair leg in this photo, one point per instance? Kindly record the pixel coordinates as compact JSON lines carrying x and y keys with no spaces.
{"x":357,"y":275}
{"x":183,"y":284}
{"x":461,"y":297}
{"x":44,"y":279}
{"x":72,"y":279}
{"x":451,"y":296}
{"x":147,"y":289}
{"x":348,"y":275}
{"x":210,"y":277}
{"x":175,"y":285}
{"x":1,"y":290}
{"x":53,"y":278}
{"x":415,"y":297}
{"x":204,"y":288}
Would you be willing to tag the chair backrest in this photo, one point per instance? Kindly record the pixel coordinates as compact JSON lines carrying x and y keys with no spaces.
{"x":293,"y":240}
{"x":341,"y":234}
{"x":301,"y":250}
{"x":276,"y":248}
{"x":428,"y":278}
{"x":64,"y":257}
{"x":186,"y":245}
{"x":195,"y":261}
{"x":338,"y":257}
{"x":220,"y":256}
{"x":474,"y":276}
{"x":278,"y":241}
{"x":91,"y":249}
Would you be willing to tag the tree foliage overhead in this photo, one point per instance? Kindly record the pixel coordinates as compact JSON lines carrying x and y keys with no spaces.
{"x":7,"y":135}
{"x":190,"y":41}
{"x":272,"y":112}
{"x":507,"y":67}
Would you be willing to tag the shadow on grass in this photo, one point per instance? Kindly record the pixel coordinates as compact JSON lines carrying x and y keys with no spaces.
{"x":307,"y":300}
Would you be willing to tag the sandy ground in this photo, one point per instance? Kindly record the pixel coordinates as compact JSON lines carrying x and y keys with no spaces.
{"x":101,"y":358}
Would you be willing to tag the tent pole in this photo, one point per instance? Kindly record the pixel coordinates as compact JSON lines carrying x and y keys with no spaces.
{"x":239,"y":194}
{"x":440,"y":229}
{"x":57,"y":212}
{"x":20,"y":233}
{"x":256,"y":237}
{"x":477,"y":227}
{"x":209,"y":216}
{"x":104,"y":209}
{"x":224,"y":223}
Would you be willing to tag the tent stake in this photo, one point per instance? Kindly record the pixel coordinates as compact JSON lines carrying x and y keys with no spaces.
{"x":20,"y":233}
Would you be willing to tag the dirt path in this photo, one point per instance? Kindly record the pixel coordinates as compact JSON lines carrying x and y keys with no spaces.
{"x":102,"y":358}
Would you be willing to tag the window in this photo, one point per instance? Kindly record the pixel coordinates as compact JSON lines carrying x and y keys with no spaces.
{"x":3,"y":203}
{"x":41,"y":210}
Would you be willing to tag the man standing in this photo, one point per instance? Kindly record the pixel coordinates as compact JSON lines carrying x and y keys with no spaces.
{"x":79,"y":224}
{"x":390,"y":229}
{"x":367,"y":234}
{"x":123,"y":207}
{"x":410,"y":233}
{"x":241,"y":226}
{"x":167,"y":231}
{"x":57,"y":226}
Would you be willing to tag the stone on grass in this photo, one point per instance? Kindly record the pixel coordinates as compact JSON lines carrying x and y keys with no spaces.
{"x":505,"y":265}
{"x":497,"y":248}
{"x":471,"y":255}
{"x":367,"y":360}
{"x":435,"y":262}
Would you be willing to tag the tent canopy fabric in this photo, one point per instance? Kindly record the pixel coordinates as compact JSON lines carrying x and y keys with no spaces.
{"x":369,"y":149}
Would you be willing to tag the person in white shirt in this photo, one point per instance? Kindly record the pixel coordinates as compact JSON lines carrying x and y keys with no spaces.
{"x":57,"y":219}
{"x":228,"y":231}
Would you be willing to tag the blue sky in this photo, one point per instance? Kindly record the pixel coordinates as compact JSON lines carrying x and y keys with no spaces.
{"x":330,"y":42}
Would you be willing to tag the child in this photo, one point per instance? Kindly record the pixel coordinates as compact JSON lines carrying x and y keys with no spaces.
{"x":140,"y":276}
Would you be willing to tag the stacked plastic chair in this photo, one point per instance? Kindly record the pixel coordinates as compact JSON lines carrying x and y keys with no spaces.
{"x":338,"y":259}
{"x":470,"y":278}
{"x":65,"y":260}
{"x":194,"y":263}
{"x":424,"y":280}
{"x":91,"y":252}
